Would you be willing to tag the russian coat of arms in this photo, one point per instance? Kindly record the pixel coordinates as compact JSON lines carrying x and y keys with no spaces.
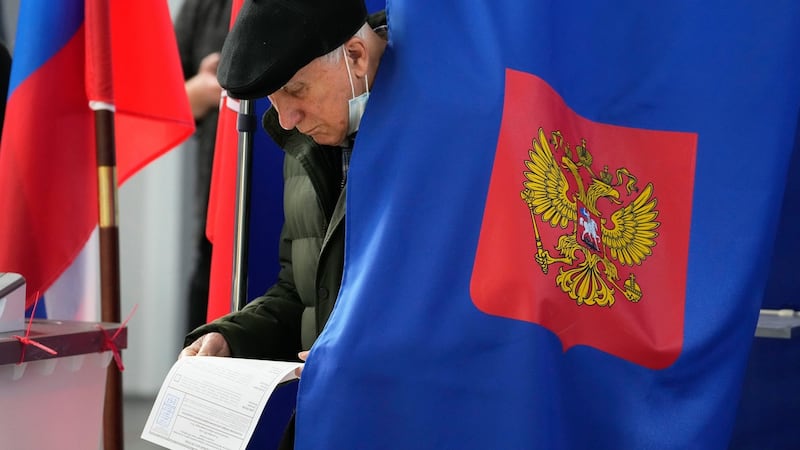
{"x":610,"y":223}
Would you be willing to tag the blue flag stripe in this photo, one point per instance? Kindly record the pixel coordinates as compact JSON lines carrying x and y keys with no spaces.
{"x":62,"y":18}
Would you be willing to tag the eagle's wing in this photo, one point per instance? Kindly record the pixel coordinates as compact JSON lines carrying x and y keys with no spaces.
{"x":633,"y":236}
{"x":546,"y":187}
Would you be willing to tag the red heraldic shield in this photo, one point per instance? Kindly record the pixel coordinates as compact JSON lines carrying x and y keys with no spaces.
{"x":586,"y":228}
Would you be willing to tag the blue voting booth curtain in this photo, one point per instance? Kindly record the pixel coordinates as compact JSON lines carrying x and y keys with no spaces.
{"x":276,"y":415}
{"x":770,"y":403}
{"x":591,"y":149}
{"x":414,"y":357}
{"x":266,"y":209}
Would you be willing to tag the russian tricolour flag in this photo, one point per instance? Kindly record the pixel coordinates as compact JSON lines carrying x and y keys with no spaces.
{"x":119,"y":54}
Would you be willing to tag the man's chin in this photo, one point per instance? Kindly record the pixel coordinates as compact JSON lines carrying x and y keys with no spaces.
{"x":323,"y":139}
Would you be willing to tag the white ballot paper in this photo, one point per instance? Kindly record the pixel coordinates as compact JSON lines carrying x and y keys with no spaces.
{"x":208,"y":402}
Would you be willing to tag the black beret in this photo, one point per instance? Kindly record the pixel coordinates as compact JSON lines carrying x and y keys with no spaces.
{"x":272,"y":39}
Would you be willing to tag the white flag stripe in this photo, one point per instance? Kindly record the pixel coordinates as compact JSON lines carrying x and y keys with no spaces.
{"x":76,"y":293}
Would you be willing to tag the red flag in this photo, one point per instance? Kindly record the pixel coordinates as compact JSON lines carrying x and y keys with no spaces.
{"x":48,"y":179}
{"x":576,"y":228}
{"x":222,"y":203}
{"x":152,"y":111}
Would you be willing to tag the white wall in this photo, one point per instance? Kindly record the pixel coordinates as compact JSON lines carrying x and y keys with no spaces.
{"x":155,"y":252}
{"x":9,"y":9}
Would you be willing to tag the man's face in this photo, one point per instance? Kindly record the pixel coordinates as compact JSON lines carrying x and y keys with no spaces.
{"x":315,"y":101}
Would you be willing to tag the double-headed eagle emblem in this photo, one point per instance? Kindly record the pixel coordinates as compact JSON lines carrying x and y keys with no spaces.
{"x":588,"y":255}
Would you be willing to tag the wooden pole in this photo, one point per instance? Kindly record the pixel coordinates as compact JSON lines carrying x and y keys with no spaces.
{"x":109,"y":268}
{"x":100,"y":88}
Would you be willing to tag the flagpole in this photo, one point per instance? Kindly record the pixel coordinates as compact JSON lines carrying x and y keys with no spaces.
{"x":109,"y":265}
{"x":101,"y":97}
{"x":246,"y":125}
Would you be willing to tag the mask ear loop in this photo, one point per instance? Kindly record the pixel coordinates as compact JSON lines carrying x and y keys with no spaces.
{"x":350,"y":75}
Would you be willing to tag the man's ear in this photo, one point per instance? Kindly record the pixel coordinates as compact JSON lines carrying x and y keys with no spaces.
{"x":356,"y":51}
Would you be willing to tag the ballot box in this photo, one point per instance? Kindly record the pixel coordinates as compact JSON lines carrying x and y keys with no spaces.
{"x":56,"y":401}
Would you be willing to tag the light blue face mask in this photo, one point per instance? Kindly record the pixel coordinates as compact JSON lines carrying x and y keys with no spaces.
{"x":355,"y":105}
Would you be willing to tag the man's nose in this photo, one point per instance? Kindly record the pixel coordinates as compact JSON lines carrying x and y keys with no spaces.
{"x":288,"y":115}
{"x":288,"y":118}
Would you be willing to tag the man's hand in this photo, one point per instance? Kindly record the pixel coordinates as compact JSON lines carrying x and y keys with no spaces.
{"x":203,"y":89}
{"x":302,"y":356}
{"x":211,"y":344}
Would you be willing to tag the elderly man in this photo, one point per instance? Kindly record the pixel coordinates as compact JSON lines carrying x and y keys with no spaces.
{"x":314,"y":59}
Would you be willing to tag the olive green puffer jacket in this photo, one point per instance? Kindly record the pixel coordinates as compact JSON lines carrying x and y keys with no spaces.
{"x":291,"y":314}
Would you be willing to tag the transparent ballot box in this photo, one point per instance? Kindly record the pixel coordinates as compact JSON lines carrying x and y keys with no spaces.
{"x":55,"y":401}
